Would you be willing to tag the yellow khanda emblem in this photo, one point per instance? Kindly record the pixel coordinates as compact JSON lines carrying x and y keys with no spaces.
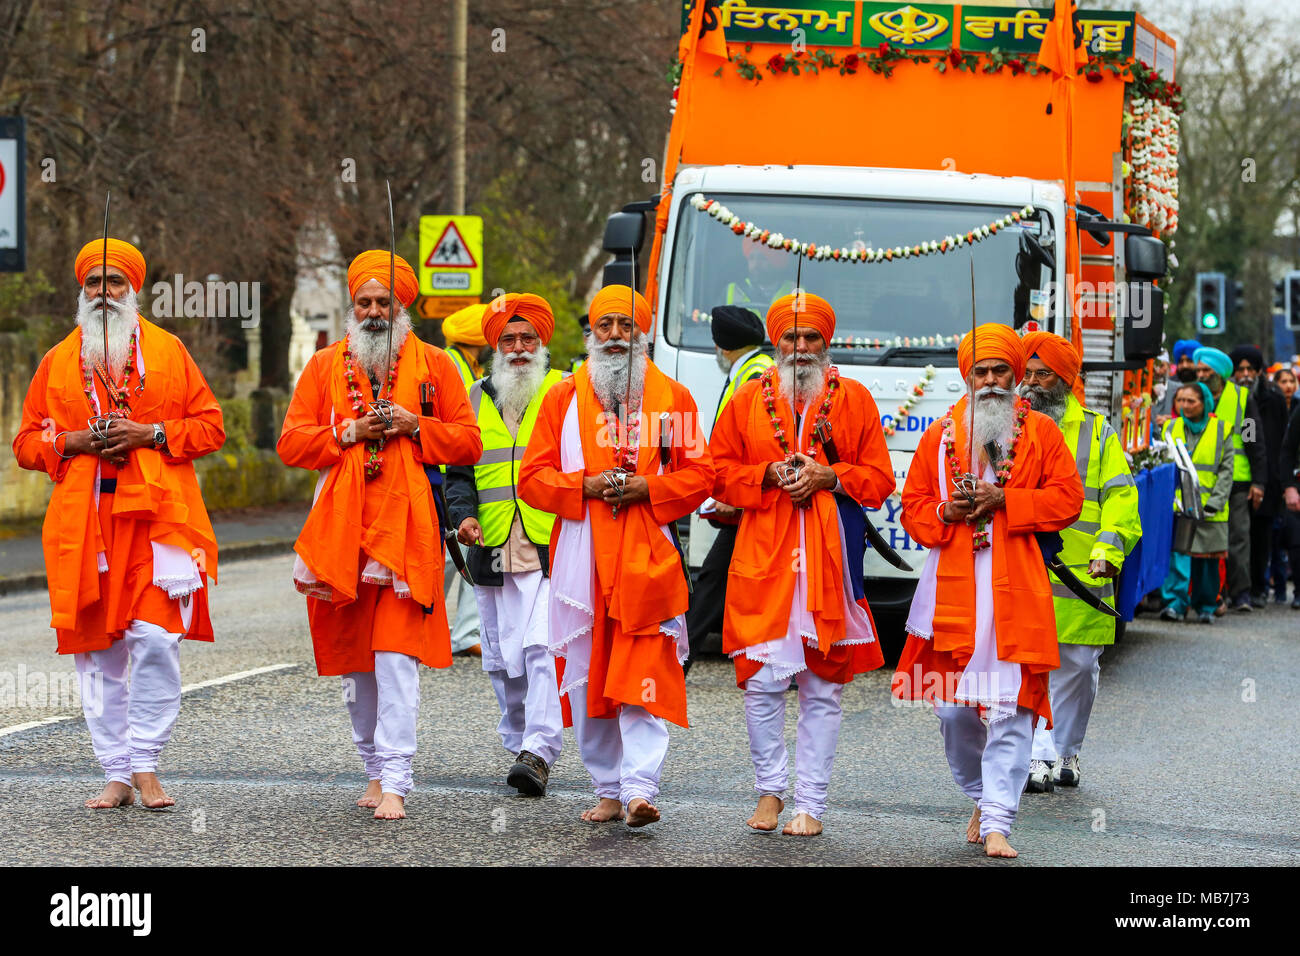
{"x":908,"y":25}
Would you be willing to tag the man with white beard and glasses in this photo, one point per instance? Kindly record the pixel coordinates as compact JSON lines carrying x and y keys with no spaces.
{"x":128,"y":544}
{"x":510,"y":540}
{"x":1094,"y":547}
{"x":617,"y":454}
{"x":370,"y":556}
{"x":981,"y":632}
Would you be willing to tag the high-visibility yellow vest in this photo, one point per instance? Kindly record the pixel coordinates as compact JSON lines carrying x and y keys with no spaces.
{"x":1108,"y":526}
{"x":737,"y":293}
{"x":496,"y":475}
{"x":1231,"y":410}
{"x":466,"y":373}
{"x":1205,"y":456}
{"x":752,"y":367}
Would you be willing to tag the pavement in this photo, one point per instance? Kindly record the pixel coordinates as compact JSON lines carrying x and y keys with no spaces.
{"x":244,"y":533}
{"x":1185,"y":763}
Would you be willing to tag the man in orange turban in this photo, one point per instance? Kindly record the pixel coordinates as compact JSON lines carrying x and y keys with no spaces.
{"x":1060,"y":356}
{"x":982,"y":635}
{"x":618,"y":455}
{"x":369,"y":557}
{"x":769,"y":429}
{"x":509,"y":539}
{"x":128,"y":544}
{"x":465,"y":342}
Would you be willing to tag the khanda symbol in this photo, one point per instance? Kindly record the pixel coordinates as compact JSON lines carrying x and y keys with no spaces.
{"x":907,"y":26}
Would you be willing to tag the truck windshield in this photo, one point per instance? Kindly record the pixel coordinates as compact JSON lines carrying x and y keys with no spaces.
{"x":909,"y":311}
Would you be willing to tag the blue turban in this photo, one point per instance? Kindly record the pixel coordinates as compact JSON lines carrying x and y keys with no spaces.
{"x":1185,"y":347}
{"x":1215,"y":359}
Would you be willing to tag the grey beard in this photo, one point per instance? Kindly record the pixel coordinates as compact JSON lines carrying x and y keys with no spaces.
{"x":370,"y":349}
{"x":121,"y":322}
{"x":516,"y":385}
{"x":810,"y":377}
{"x":722,"y":360}
{"x":609,"y":372}
{"x":1050,"y":401}
{"x":995,"y":416}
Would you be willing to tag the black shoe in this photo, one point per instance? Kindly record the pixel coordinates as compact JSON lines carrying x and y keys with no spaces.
{"x":529,"y":775}
{"x":1242,"y":603}
{"x":1259,"y":601}
{"x":1295,"y":605}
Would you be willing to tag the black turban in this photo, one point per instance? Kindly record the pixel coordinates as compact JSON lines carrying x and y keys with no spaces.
{"x":735,"y":328}
{"x":1253,"y":356}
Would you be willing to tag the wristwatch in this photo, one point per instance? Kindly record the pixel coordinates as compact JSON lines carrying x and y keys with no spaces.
{"x":415,"y":435}
{"x":159,"y":435}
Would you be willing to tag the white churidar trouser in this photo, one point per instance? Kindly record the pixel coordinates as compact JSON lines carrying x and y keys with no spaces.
{"x":624,"y":754}
{"x":816,"y":737}
{"x":1073,"y":689}
{"x":990,"y":763}
{"x":130,"y":725}
{"x":515,"y":633}
{"x":384,"y":704}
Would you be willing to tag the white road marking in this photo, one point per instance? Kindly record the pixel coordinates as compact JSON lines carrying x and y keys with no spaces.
{"x":229,"y":678}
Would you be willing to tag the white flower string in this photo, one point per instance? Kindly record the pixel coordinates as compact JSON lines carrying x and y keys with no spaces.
{"x":1152,"y":172}
{"x":917,"y":392}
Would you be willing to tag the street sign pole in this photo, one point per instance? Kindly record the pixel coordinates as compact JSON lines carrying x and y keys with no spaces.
{"x":13,"y":194}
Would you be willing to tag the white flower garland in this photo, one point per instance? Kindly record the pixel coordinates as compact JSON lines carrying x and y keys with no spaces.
{"x":812,"y":250}
{"x":1153,"y":171}
{"x":918,"y":390}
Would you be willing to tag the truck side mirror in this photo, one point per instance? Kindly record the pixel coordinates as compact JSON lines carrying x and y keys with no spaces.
{"x":1144,"y":320}
{"x":624,"y":231}
{"x":1145,"y":257}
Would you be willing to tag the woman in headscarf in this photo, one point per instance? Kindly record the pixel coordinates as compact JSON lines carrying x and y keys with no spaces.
{"x":1210,"y":448}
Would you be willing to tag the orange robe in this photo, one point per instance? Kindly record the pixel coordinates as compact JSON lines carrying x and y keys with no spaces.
{"x":761,"y":581}
{"x":157,"y":497}
{"x":639,"y":578}
{"x":390,"y":518}
{"x":1043,"y":494}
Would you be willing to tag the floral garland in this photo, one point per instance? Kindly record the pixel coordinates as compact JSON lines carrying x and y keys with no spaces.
{"x":980,"y":540}
{"x":625,"y":452}
{"x":812,"y":250}
{"x":374,"y":460}
{"x":898,"y":341}
{"x":117,"y":393}
{"x":1151,"y":173}
{"x":768,"y":385}
{"x":918,"y":392}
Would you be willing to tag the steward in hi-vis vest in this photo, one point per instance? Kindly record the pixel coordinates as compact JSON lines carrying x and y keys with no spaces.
{"x":509,"y":539}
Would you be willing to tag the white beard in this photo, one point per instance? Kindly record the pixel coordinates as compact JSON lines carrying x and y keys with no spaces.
{"x":609,"y":372}
{"x":723,"y":362}
{"x":810,"y":377}
{"x":121,"y":322}
{"x":370,"y":348}
{"x":995,"y":418}
{"x":517,"y":384}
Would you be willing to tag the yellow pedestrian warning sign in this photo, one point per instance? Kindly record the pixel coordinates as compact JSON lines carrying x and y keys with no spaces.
{"x":451,"y":255}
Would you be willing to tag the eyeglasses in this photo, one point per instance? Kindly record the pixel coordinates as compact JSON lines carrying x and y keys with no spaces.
{"x":507,"y":342}
{"x":1043,"y":375}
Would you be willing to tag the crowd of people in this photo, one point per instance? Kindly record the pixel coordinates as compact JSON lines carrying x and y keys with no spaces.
{"x":566,"y":490}
{"x":1240,"y":423}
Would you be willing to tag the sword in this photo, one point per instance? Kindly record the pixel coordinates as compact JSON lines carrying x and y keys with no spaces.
{"x":966,"y":483}
{"x":435,"y":476}
{"x":616,"y":477}
{"x":823,"y":432}
{"x":99,"y":424}
{"x":383,"y":407}
{"x":1049,"y":543}
{"x":665,"y":459}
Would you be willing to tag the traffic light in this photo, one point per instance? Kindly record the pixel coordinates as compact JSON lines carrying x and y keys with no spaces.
{"x":1211,"y":302}
{"x":1291,"y":286}
{"x":1235,"y":294}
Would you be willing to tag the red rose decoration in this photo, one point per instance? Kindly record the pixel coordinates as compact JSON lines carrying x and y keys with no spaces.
{"x":954,"y":57}
{"x":1017,"y":67}
{"x":1093,"y":76}
{"x":851,"y":61}
{"x":776,"y":63}
{"x":883,"y":49}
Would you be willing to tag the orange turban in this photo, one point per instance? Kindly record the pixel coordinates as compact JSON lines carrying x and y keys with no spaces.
{"x":373,"y":264}
{"x":995,"y":341}
{"x":815,"y":313}
{"x":615,"y":299}
{"x":121,"y":255}
{"x":465,"y":326}
{"x":518,"y":305}
{"x":1055,"y":352}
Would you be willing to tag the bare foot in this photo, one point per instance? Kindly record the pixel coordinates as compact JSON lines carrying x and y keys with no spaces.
{"x":370,"y":799}
{"x":768,"y":814}
{"x":391,"y":807}
{"x":606,"y":809}
{"x":995,"y":844}
{"x":640,"y":812}
{"x":973,"y":828}
{"x":114,"y":794}
{"x":152,"y":794}
{"x":803,"y":825}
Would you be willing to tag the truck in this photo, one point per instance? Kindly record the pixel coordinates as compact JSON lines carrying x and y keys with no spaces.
{"x":877,"y":151}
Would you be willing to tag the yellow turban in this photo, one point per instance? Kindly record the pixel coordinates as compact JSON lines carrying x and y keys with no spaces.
{"x":373,"y":264}
{"x":121,"y":255}
{"x":814,"y":313}
{"x":995,"y":341}
{"x":517,"y":305}
{"x":616,"y":299}
{"x":465,"y":326}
